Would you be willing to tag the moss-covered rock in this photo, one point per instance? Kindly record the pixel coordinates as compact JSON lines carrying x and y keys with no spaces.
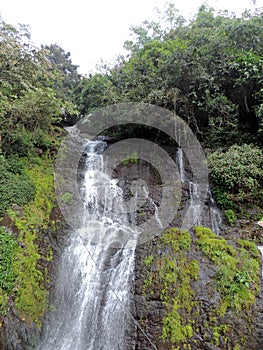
{"x":198,"y":291}
{"x":25,"y":255}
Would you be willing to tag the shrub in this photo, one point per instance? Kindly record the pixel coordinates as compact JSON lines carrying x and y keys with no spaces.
{"x":231,"y":216}
{"x":239,"y":168}
{"x":19,"y":141}
{"x":15,"y":186}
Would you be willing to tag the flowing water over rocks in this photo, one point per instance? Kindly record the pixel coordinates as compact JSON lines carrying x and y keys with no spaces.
{"x":95,"y":280}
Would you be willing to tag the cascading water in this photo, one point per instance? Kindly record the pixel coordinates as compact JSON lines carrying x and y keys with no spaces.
{"x":194,"y":208}
{"x":180,"y":161}
{"x":215,"y":216}
{"x":156,"y":210}
{"x":95,"y":280}
{"x":194,"y":198}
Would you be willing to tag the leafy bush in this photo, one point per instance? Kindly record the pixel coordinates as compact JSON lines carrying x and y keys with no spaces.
{"x":239,"y":168}
{"x":18,"y":141}
{"x":41,"y":139}
{"x":14,"y":164}
{"x":223,"y":199}
{"x":231,"y":216}
{"x":15,"y":185}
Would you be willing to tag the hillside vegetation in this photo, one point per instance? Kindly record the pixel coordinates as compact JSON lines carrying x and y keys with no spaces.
{"x":209,"y":71}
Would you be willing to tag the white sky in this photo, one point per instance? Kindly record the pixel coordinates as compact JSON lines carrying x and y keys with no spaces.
{"x":95,"y":30}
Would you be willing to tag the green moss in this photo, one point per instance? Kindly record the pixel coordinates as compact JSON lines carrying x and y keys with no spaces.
{"x":177,"y":239}
{"x":219,"y":333}
{"x":8,"y":250}
{"x":250,"y":247}
{"x":148,"y":260}
{"x":230,"y":216}
{"x":237,"y":276}
{"x":31,"y":297}
{"x":172,"y":273}
{"x":147,"y":283}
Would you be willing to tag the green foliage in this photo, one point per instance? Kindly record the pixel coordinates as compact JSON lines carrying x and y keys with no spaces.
{"x":31,"y":98}
{"x":63,"y":79}
{"x":63,"y":70}
{"x":130,"y":159}
{"x":240,"y":167}
{"x":31,"y":297}
{"x":8,"y":249}
{"x":208,"y":71}
{"x":224,"y":199}
{"x":237,"y":277}
{"x":37,"y":109}
{"x":15,"y":186}
{"x":148,"y":260}
{"x":231,"y":216}
{"x":66,"y":198}
{"x":237,"y":175}
{"x":94,"y":92}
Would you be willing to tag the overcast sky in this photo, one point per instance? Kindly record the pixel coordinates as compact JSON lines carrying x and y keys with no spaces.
{"x":92,"y":30}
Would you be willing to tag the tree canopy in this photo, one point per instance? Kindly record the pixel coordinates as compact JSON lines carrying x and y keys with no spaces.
{"x":35,"y":88}
{"x":209,"y":71}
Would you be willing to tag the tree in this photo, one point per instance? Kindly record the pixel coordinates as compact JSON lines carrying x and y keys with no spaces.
{"x":32,"y":94}
{"x":65,"y":73}
{"x":93,"y":92}
{"x":208,"y":71}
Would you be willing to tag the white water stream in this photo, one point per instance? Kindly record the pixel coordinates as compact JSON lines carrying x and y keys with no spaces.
{"x":95,"y":280}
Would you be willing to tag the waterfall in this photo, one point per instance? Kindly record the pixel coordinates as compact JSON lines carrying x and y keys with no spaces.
{"x":180,"y":161}
{"x":194,"y":208}
{"x":92,"y":298}
{"x":215,"y":216}
{"x":156,"y":210}
{"x":194,"y":215}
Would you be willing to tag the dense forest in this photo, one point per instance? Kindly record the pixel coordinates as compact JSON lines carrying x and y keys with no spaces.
{"x":209,"y":71}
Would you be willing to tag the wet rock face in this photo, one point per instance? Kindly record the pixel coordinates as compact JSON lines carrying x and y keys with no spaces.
{"x":211,"y":328}
{"x":16,"y":334}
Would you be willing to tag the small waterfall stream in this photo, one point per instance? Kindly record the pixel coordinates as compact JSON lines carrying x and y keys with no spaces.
{"x":194,"y":207}
{"x":180,"y":161}
{"x":194,"y":198}
{"x":95,"y":280}
{"x":215,"y":216}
